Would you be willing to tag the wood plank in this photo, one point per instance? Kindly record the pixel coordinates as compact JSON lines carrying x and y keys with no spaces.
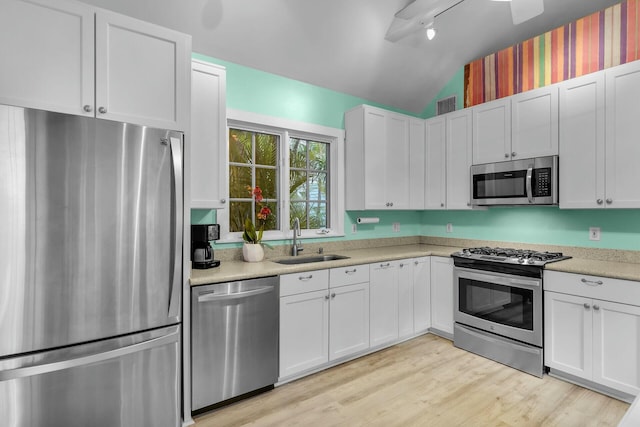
{"x":424,"y":381}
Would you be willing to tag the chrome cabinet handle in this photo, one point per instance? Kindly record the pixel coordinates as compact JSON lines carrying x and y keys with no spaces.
{"x":350,"y":271}
{"x":401,"y":265}
{"x":102,"y":110}
{"x":385,"y":265}
{"x":442,"y":205}
{"x":587,"y":306}
{"x":609,"y":201}
{"x":592,"y":282}
{"x":326,"y":297}
{"x":596,"y":307}
{"x":223,"y":201}
{"x":333,"y":295}
{"x":599,"y":201}
{"x":506,"y":155}
{"x":416,"y":262}
{"x":513,"y":154}
{"x":87,"y":108}
{"x":309,"y":277}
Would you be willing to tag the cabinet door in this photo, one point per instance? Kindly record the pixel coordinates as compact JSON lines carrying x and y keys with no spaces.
{"x":416,"y":164}
{"x":348,"y":320}
{"x":568,"y":334}
{"x":435,"y":185}
{"x":459,"y":158}
{"x":47,"y":55}
{"x":209,"y":158}
{"x":304,"y":332}
{"x":616,"y":346}
{"x":375,"y":159}
{"x":622,"y":148}
{"x":442,"y":294}
{"x":142,"y":72}
{"x":405,"y":298}
{"x":421,"y":294}
{"x":397,"y":161}
{"x":383,"y":297}
{"x":534,"y":124}
{"x":492,"y":131}
{"x":582,"y":132}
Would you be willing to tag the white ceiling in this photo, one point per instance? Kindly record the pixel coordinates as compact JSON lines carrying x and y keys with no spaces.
{"x":340,"y":44}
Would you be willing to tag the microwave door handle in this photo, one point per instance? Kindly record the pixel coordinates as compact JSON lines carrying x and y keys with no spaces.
{"x":529,"y":178}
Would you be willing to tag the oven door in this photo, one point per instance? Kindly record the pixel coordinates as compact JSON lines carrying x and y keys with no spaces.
{"x":503,"y":304}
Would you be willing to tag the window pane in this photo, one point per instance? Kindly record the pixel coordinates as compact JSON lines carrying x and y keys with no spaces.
{"x":239,"y":211}
{"x":317,"y":215}
{"x":240,"y":146}
{"x":318,"y":156}
{"x":318,"y":186}
{"x":267,"y":180}
{"x":239,"y":180}
{"x":266,"y":149}
{"x":298,"y":210}
{"x":298,"y":153}
{"x":298,"y":185}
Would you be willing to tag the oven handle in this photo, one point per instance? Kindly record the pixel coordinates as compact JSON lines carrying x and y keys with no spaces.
{"x":497,"y":278}
{"x":529,"y":186}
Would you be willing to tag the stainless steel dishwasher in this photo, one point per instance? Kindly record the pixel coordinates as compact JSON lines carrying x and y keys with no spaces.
{"x":234,"y":339}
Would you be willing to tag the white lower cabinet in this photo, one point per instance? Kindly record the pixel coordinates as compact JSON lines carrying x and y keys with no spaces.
{"x":442,"y":295}
{"x":592,"y":329}
{"x":383,"y":294}
{"x":348,"y":320}
{"x":405,"y":298}
{"x":421,"y":294}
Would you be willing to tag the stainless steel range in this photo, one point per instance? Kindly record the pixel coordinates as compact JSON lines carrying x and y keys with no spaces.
{"x":498,"y":304}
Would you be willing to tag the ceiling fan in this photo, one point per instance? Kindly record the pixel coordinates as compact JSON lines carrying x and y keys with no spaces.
{"x":421,"y":14}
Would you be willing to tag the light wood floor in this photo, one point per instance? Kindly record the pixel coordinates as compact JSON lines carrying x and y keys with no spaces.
{"x":422,"y":382}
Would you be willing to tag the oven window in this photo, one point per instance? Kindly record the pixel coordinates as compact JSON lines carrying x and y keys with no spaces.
{"x":500,"y":185}
{"x":501,"y":304}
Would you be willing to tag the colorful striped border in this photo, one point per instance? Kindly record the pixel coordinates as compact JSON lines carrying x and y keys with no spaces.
{"x":598,"y":41}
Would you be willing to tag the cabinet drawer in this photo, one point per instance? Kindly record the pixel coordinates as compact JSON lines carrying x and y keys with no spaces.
{"x":308,"y":281}
{"x":604,"y":288}
{"x":341,"y":276}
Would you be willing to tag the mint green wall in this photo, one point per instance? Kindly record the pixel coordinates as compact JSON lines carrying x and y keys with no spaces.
{"x":454,"y":87}
{"x":256,"y":91}
{"x":620,"y":228}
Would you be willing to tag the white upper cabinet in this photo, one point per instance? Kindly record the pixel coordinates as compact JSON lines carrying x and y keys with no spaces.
{"x":459,"y":158}
{"x":141,"y":71}
{"x":599,"y":152}
{"x":534,"y":123}
{"x":518,"y":127}
{"x":417,"y":163}
{"x":492,"y":131}
{"x":622,"y":150}
{"x":209,"y":157}
{"x":582,"y":132}
{"x":377,"y":158}
{"x":436,"y":159}
{"x":448,"y":160}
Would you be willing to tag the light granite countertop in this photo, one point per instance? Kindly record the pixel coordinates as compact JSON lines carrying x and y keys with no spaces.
{"x":238,"y":270}
{"x":595,"y":262}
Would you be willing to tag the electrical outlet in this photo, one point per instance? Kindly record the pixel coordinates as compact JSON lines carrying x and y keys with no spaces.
{"x":594,"y":233}
{"x":396,"y":227}
{"x":354,"y":228}
{"x":449,"y":227}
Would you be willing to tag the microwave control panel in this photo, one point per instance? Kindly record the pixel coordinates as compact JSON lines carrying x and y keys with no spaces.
{"x":542,"y":182}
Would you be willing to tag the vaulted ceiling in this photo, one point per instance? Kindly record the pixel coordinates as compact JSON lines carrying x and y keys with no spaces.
{"x":341,"y":45}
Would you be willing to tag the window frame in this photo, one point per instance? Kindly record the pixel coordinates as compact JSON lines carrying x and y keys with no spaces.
{"x":287,"y":128}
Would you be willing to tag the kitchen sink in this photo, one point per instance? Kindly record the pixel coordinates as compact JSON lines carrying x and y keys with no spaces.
{"x":309,"y":259}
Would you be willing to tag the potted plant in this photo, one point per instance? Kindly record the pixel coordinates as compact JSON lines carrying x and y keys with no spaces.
{"x":252,"y":250}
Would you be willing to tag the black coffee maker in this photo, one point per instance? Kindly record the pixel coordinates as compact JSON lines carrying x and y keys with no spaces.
{"x":201,"y":250}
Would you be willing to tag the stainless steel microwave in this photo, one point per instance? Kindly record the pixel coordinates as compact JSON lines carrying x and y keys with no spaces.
{"x":517,"y":182}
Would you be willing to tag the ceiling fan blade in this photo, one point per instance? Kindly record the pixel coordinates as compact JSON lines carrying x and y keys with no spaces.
{"x":523,"y":10}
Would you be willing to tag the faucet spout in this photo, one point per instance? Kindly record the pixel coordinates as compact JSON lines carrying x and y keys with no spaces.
{"x":297,"y":246}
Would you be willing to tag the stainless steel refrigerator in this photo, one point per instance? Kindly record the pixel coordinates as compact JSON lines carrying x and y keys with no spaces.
{"x":90,"y":272}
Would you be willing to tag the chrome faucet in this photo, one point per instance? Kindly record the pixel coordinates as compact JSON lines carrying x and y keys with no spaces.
{"x":297,"y":246}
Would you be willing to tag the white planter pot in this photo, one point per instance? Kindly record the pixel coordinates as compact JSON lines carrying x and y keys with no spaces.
{"x":252,"y":252}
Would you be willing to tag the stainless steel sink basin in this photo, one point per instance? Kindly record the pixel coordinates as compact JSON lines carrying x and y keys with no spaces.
{"x":308,"y":259}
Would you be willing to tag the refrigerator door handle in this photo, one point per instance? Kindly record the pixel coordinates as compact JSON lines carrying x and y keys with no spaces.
{"x":174,"y":295}
{"x":60,"y":365}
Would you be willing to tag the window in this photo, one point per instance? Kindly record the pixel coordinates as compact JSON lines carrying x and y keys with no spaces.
{"x":296,"y":167}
